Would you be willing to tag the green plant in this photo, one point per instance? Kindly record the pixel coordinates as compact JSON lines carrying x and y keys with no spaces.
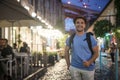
{"x":62,"y":41}
{"x":117,"y":7}
{"x":117,"y":35}
{"x":101,"y":27}
{"x":52,"y":53}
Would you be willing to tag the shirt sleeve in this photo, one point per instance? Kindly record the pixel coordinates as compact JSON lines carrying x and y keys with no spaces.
{"x":93,"y":41}
{"x":67,"y":42}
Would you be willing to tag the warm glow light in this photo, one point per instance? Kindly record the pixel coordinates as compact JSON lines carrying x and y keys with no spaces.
{"x":47,"y":24}
{"x":43,"y":21}
{"x":118,"y":31}
{"x":18,"y":0}
{"x":85,"y":6}
{"x":50,"y":33}
{"x":27,"y":7}
{"x":33,"y":14}
{"x":38,"y":28}
{"x":58,"y":33}
{"x":69,"y":2}
{"x":31,"y":27}
{"x":39,"y":17}
{"x":50,"y":27}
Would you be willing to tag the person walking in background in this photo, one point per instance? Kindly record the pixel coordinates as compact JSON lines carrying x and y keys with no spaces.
{"x":15,"y":49}
{"x":6,"y":51}
{"x":112,"y":51}
{"x":25,"y":48}
{"x":81,"y":65}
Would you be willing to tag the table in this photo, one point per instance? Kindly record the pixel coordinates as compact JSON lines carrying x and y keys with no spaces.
{"x":23,"y":56}
{"x":4,"y":59}
{"x":9,"y":60}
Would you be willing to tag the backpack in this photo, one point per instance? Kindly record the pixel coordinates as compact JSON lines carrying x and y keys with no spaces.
{"x":87,"y":38}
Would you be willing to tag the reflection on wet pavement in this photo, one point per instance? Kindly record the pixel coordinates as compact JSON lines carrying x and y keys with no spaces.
{"x":57,"y":72}
{"x":105,"y":70}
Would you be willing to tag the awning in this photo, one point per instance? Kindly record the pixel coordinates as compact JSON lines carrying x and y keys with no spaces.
{"x":12,"y":13}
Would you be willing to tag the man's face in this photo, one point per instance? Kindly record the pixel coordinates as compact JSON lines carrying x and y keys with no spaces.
{"x":4,"y":43}
{"x":80,"y":25}
{"x":1,"y":44}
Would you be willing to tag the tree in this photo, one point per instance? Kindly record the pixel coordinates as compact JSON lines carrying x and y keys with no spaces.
{"x":117,"y":8}
{"x":101,"y":27}
{"x":62,"y":41}
{"x":117,"y":35}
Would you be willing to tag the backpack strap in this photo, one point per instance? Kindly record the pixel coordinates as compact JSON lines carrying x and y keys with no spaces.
{"x":89,"y":41}
{"x":87,"y":38}
{"x":71,"y":39}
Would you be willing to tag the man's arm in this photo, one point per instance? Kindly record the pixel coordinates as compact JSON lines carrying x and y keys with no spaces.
{"x":67,"y":56}
{"x":94,"y":56}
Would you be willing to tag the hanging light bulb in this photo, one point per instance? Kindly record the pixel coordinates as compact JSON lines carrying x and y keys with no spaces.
{"x":99,"y":7}
{"x":69,"y":2}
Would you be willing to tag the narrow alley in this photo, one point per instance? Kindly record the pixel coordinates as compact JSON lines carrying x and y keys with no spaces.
{"x":34,"y":34}
{"x":57,"y":72}
{"x":105,"y":70}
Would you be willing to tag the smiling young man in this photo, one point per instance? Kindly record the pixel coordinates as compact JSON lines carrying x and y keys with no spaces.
{"x":81,"y":65}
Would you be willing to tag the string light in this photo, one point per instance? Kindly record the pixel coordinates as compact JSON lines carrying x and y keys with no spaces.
{"x":99,"y":7}
{"x":69,"y":2}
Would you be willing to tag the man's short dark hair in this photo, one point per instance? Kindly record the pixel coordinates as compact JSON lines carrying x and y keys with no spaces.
{"x":74,"y":20}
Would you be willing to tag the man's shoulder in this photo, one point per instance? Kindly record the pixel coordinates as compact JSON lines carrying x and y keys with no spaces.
{"x":89,"y":33}
{"x":9,"y":46}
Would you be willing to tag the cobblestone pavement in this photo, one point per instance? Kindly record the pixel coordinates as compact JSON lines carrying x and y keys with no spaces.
{"x":104,"y":71}
{"x":57,"y":72}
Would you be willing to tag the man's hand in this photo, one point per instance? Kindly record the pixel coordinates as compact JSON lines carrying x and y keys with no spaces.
{"x":86,"y":63}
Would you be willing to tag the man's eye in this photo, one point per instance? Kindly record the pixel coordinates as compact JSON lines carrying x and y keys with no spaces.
{"x":82,"y":22}
{"x":77,"y":22}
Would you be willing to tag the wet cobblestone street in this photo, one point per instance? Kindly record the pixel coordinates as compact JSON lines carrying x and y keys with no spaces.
{"x":104,"y":71}
{"x":57,"y":72}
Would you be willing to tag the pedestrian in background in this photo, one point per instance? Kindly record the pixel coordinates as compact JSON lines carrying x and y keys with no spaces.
{"x":82,"y":65}
{"x":6,"y":51}
{"x":15,"y":49}
{"x":112,"y":52}
{"x":25,"y":48}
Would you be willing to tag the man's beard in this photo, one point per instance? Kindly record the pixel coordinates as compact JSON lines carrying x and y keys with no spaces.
{"x":79,"y":30}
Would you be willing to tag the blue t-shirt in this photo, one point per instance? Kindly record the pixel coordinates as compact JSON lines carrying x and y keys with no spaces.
{"x":81,"y":51}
